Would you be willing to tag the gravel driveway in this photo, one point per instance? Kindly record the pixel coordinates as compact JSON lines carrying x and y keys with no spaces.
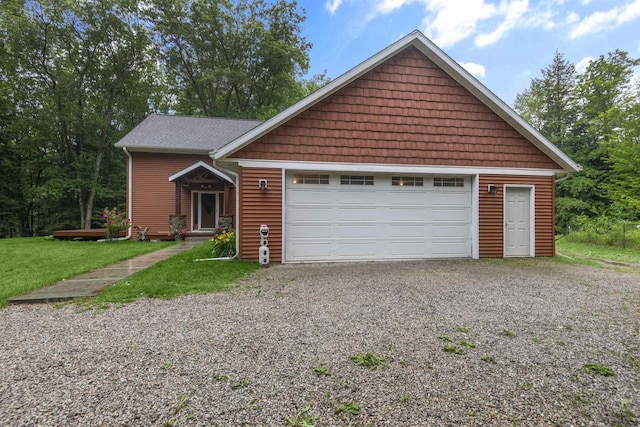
{"x":525,"y":329}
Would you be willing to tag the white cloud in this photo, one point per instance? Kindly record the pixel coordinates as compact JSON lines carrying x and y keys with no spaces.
{"x":514,"y":13}
{"x":604,"y":20}
{"x":448,"y":23}
{"x":572,"y":18}
{"x":539,"y":19}
{"x":386,"y":6}
{"x":581,"y":66}
{"x":475,"y":70}
{"x":332,"y":5}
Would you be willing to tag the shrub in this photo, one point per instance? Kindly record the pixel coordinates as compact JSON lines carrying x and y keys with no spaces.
{"x":605,"y":231}
{"x":224,"y":244}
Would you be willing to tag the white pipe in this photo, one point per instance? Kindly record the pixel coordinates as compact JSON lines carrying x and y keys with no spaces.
{"x":237,"y":179}
{"x":224,"y":258}
{"x":564,"y":256}
{"x":117,"y":239}
{"x":129,"y":192}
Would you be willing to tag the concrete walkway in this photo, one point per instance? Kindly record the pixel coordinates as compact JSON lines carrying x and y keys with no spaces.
{"x":89,"y":284}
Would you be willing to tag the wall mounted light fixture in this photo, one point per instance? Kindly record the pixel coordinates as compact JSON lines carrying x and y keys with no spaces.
{"x":492,"y":189}
{"x":262,"y":184}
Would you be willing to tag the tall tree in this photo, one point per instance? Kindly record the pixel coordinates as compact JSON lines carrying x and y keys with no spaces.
{"x":607,"y":96}
{"x":549,"y":102}
{"x":10,"y":194}
{"x":83,"y":74}
{"x":232,"y":58}
{"x":596,"y":123}
{"x":623,"y":186}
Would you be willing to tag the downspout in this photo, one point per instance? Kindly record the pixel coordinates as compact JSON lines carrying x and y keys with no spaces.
{"x":236,"y":177}
{"x":129,"y":194}
{"x":129,"y":191}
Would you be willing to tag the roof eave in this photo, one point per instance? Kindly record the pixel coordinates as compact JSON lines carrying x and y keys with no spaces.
{"x":163,"y":150}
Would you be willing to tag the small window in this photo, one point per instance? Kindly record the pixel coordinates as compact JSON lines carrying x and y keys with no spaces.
{"x":356,"y":179}
{"x":448,"y":182}
{"x":309,"y":178}
{"x":407,"y":181}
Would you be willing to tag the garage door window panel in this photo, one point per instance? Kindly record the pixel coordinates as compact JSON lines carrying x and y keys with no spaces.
{"x":407,"y":181}
{"x":356,"y":180}
{"x":440,"y":181}
{"x":309,"y":178}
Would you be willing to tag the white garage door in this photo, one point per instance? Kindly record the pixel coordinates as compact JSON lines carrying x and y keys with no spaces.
{"x":347,"y":216}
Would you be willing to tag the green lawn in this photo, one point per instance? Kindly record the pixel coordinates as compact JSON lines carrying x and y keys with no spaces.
{"x":30,"y":263}
{"x":178,"y":275}
{"x":587,"y":250}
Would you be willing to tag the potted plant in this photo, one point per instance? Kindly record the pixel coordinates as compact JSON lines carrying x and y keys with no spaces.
{"x":115,"y":221}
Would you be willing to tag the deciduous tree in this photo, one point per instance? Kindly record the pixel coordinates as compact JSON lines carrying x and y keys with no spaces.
{"x":82,"y":74}
{"x":232,"y":58}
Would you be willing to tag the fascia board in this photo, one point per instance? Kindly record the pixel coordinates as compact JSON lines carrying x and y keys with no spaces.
{"x":165,"y":150}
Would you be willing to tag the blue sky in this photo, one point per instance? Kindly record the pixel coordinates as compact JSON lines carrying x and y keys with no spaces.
{"x":504,"y":43}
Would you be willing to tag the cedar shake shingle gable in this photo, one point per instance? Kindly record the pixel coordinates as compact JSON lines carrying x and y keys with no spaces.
{"x":449,"y":84}
{"x":405,"y":111}
{"x":172,"y":133}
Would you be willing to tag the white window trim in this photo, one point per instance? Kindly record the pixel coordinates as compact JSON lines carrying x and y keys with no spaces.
{"x":532,"y":219}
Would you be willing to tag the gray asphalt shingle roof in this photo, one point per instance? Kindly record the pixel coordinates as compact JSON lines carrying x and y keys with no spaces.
{"x":160,"y":132}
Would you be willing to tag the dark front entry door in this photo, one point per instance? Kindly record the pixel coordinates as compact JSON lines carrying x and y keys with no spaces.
{"x":207,"y":210}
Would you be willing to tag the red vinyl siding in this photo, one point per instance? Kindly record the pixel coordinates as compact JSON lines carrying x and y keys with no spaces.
{"x":260,"y":207}
{"x":153,"y":194}
{"x":491,"y":214}
{"x":405,"y":111}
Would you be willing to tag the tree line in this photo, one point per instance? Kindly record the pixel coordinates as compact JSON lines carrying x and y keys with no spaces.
{"x":594,"y":117}
{"x":76,"y":76}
